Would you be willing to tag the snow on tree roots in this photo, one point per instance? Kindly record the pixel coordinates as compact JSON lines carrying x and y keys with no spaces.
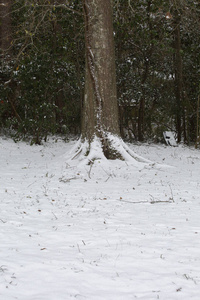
{"x":88,"y":153}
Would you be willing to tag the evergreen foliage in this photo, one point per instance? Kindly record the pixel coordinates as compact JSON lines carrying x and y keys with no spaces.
{"x":42,"y":72}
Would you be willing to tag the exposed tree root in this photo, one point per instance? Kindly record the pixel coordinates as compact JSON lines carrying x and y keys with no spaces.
{"x":111,"y":148}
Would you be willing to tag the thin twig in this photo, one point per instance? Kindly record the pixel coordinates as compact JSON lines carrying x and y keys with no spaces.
{"x":172,"y":198}
{"x":54,"y":215}
{"x":134,"y":202}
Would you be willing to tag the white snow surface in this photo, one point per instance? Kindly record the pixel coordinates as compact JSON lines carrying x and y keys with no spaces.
{"x":112,"y":230}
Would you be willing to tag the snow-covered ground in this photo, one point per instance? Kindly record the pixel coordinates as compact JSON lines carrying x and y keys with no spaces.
{"x":114,"y":231}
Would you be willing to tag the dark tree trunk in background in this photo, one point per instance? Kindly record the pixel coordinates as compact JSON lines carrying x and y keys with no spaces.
{"x":145,"y":74}
{"x":141,"y":119}
{"x":178,"y":73}
{"x":5,"y":26}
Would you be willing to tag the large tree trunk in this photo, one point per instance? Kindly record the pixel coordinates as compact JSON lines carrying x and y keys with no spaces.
{"x":100,"y":109}
{"x":100,"y":137}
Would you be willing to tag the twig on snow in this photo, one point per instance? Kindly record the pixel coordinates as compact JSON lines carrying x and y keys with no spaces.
{"x":135,"y":202}
{"x":172,"y":197}
{"x":153,"y":200}
{"x":54,"y":215}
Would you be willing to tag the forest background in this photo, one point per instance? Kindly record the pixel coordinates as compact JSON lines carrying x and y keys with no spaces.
{"x":157,"y":49}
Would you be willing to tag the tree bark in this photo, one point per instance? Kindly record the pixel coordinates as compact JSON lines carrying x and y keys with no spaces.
{"x":100,"y":109}
{"x":178,"y":74}
{"x":5,"y":25}
{"x":146,"y":56}
{"x":100,"y":139}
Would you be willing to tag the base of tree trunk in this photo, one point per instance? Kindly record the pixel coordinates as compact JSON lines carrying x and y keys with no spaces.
{"x":110,"y":148}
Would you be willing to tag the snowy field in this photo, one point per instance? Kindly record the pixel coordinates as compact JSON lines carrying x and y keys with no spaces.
{"x":114,"y":231}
